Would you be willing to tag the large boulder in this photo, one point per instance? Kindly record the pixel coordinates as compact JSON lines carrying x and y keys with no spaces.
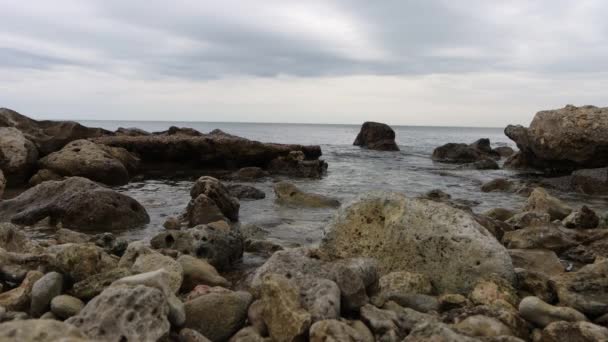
{"x":563,"y":139}
{"x":77,"y":203}
{"x":211,"y":201}
{"x":18,"y":155}
{"x":416,"y":235}
{"x":122,"y":313}
{"x":456,"y":153}
{"x":101,"y":163}
{"x":49,"y":136}
{"x":376,"y":136}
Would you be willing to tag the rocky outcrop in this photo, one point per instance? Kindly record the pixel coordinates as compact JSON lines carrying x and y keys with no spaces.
{"x":49,"y":136}
{"x":563,"y":139}
{"x":416,"y":235}
{"x":376,"y":136}
{"x":464,"y":154}
{"x":100,"y":163}
{"x":77,"y":203}
{"x":296,"y":165}
{"x":125,"y":313}
{"x":161,"y":152}
{"x":290,"y":194}
{"x":18,"y":155}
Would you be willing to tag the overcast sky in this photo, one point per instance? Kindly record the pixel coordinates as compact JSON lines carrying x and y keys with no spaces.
{"x":441,"y":62}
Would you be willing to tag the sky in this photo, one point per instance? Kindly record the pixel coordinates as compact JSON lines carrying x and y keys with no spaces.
{"x":403,"y":62}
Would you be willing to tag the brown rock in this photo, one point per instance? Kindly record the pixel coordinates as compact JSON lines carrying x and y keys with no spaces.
{"x":376,"y":136}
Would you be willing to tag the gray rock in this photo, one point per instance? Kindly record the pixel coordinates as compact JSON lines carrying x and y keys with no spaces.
{"x":65,"y":306}
{"x":43,"y":291}
{"x":39,"y":330}
{"x":241,"y":191}
{"x":416,"y":235}
{"x":216,"y":192}
{"x":152,"y":262}
{"x":118,"y":313}
{"x":80,"y":261}
{"x":18,"y":155}
{"x":541,"y":201}
{"x":542,"y":314}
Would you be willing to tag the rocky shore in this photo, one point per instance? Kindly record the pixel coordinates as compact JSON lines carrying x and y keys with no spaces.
{"x":390,"y":267}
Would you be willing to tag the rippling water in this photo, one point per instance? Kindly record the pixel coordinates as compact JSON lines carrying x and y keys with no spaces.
{"x":352,"y":171}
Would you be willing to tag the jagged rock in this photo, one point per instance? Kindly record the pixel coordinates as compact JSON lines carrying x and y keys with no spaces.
{"x":199,"y":272}
{"x":77,"y":203}
{"x":65,"y":306}
{"x":585,"y":290}
{"x":290,"y":194}
{"x":18,"y":299}
{"x":334,"y":330}
{"x":541,"y":201}
{"x":152,"y":262}
{"x":584,"y":218}
{"x":574,"y":332}
{"x":245,"y":191}
{"x":283,"y":314}
{"x":80,"y":261}
{"x":100,"y":163}
{"x":218,"y":194}
{"x":416,"y":235}
{"x":218,"y":315}
{"x":564,"y":139}
{"x":220,"y":247}
{"x":18,"y":155}
{"x":39,"y":330}
{"x":44,"y":290}
{"x":499,"y":184}
{"x":189,"y":335}
{"x":376,"y":136}
{"x":542,"y":314}
{"x":94,"y":285}
{"x":125,"y":313}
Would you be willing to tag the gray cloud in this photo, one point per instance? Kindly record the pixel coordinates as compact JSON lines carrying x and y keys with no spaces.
{"x":208,"y":40}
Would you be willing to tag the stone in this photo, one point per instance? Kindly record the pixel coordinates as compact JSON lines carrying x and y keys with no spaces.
{"x":500,"y":214}
{"x":574,"y":332}
{"x":494,"y":290}
{"x":537,"y":260}
{"x":44,"y":175}
{"x":376,"y":136}
{"x":549,"y":237}
{"x":18,"y":155}
{"x":504,"y":151}
{"x":218,"y":194}
{"x":529,"y":219}
{"x":541,"y":201}
{"x":531,"y":283}
{"x":218,"y":316}
{"x":392,"y":322}
{"x":499,"y":184}
{"x":402,"y":282}
{"x":463,"y":153}
{"x":249,"y":174}
{"x":64,"y":236}
{"x":585,"y":290}
{"x":584,"y":218}
{"x":450,"y":301}
{"x":39,"y":330}
{"x":189,"y":335}
{"x":255,"y":317}
{"x":297,"y":165}
{"x":76,"y":203}
{"x":563,"y":139}
{"x":44,"y":290}
{"x":172,"y":223}
{"x":283,"y":314}
{"x":249,"y":334}
{"x":444,"y":243}
{"x":110,"y":243}
{"x":19,"y":298}
{"x":2,"y":183}
{"x":95,"y":284}
{"x":263,"y":247}
{"x":100,"y":163}
{"x":482,"y":326}
{"x":333,"y":330}
{"x":288,"y":193}
{"x":80,"y":261}
{"x":125,"y":313}
{"x":535,"y":310}
{"x":319,"y":297}
{"x":65,"y":306}
{"x":197,"y":272}
{"x":508,"y":315}
{"x":241,"y":191}
{"x":221,"y":247}
{"x":12,"y":239}
{"x":152,"y":262}
{"x":202,"y":210}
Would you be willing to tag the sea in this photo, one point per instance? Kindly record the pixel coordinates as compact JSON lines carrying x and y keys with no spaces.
{"x":352,"y":171}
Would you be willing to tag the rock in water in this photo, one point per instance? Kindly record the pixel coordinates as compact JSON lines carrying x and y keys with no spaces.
{"x":211,"y":201}
{"x":125,"y":314}
{"x":376,"y":136}
{"x":564,"y":139}
{"x":417,"y":235}
{"x":290,"y":194}
{"x":18,"y":155}
{"x":77,"y":203}
{"x":478,"y":152}
{"x":100,"y":163}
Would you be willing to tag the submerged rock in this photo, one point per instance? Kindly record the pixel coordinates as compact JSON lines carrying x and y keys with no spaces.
{"x":479,"y":151}
{"x":100,"y":163}
{"x":564,"y":139}
{"x":376,"y":136}
{"x":290,"y":194}
{"x":219,"y":194}
{"x":77,"y":203}
{"x":416,"y":235}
